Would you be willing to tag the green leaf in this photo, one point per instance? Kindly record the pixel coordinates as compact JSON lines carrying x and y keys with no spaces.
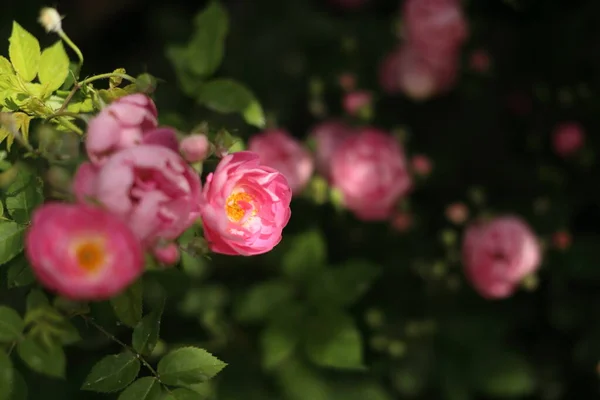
{"x":11,"y":324}
{"x":503,"y":375}
{"x":225,"y":96}
{"x":188,"y":82}
{"x":128,"y":305}
{"x":112,"y":373}
{"x":184,"y":394}
{"x":359,"y":390}
{"x":11,"y":240}
{"x":19,"y":387}
{"x":207,"y":46}
{"x":333,"y":340}
{"x":262,"y":299}
{"x":145,"y":334}
{"x":36,"y":299}
{"x":300,"y":382}
{"x":5,"y":66}
{"x":19,"y":273}
{"x":6,"y":376}
{"x":42,"y":359}
{"x":278,"y":342}
{"x":147,"y":388}
{"x":305,"y":256}
{"x":342,"y":286}
{"x":188,"y":365}
{"x":24,"y":52}
{"x":254,"y":115}
{"x":54,"y":67}
{"x":25,"y":194}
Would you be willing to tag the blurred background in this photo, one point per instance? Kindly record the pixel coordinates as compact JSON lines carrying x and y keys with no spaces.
{"x":488,"y":138}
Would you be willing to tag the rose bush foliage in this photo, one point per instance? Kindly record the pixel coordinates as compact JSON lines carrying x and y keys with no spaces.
{"x":351,"y":222}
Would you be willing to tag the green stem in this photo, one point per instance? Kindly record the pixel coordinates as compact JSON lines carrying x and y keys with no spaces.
{"x":68,"y":124}
{"x":119,"y":342}
{"x":105,"y":76}
{"x":72,"y":45}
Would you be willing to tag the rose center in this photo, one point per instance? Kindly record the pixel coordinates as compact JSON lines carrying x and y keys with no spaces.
{"x":90,"y":255}
{"x":237,"y":205}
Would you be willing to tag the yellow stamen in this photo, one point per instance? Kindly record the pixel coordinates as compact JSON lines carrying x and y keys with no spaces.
{"x":233,"y":209}
{"x":90,"y":254}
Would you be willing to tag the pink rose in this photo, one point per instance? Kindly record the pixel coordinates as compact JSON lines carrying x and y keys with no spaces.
{"x":247,"y":206}
{"x":435,"y":26}
{"x":194,"y":148}
{"x":354,"y":102}
{"x":279,"y":150}
{"x":369,"y":169}
{"x":405,"y":70}
{"x":82,"y":252}
{"x":328,"y":136}
{"x":149,"y":186}
{"x":498,"y":254}
{"x":120,"y":125}
{"x":568,"y":138}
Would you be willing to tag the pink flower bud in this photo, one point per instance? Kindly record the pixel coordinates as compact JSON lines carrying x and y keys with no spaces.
{"x":457,"y":213}
{"x":167,"y":254}
{"x":194,"y":148}
{"x":82,"y":252}
{"x":568,"y":138}
{"x":247,"y":206}
{"x":356,"y":101}
{"x":279,"y":150}
{"x":369,"y":169}
{"x":421,"y":165}
{"x":499,"y":254}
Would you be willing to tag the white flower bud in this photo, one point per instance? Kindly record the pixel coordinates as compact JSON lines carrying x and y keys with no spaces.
{"x":50,"y":19}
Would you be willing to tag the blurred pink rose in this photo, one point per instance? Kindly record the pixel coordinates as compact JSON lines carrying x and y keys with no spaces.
{"x":194,"y":148}
{"x":568,"y":138}
{"x":436,"y":27}
{"x":421,"y":164}
{"x":247,"y":206}
{"x":150,"y":187}
{"x":354,"y":102}
{"x":279,"y":150}
{"x":82,"y":252}
{"x":480,"y":61}
{"x":369,"y":169}
{"x":328,"y":137}
{"x":457,"y":213}
{"x":498,"y":254}
{"x":120,"y":125}
{"x":163,"y":136}
{"x":405,"y":70}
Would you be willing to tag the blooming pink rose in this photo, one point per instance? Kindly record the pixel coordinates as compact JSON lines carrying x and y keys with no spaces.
{"x":405,"y":70}
{"x":369,"y":169}
{"x":149,"y":186}
{"x":328,"y":137}
{"x":82,"y":252}
{"x":120,"y":125}
{"x":247,"y":206}
{"x":354,"y":102}
{"x":421,"y":164}
{"x":435,"y":26}
{"x":498,"y":254}
{"x":194,"y":148}
{"x":568,"y":138}
{"x":278,"y":149}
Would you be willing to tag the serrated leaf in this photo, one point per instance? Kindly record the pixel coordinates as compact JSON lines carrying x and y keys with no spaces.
{"x":128,"y":305}
{"x":112,"y":373}
{"x":344,"y":285}
{"x":19,"y":387}
{"x":24,"y":52}
{"x":42,"y":359}
{"x":225,"y":96}
{"x":11,"y":324}
{"x":147,"y":388}
{"x":333,"y":340}
{"x":54,"y":67}
{"x":305,"y":256}
{"x":207,"y":45}
{"x":19,"y":273}
{"x":188,"y":365}
{"x":11,"y":240}
{"x":25,"y":195}
{"x":261,"y":299}
{"x":145,"y":334}
{"x":6,"y":376}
